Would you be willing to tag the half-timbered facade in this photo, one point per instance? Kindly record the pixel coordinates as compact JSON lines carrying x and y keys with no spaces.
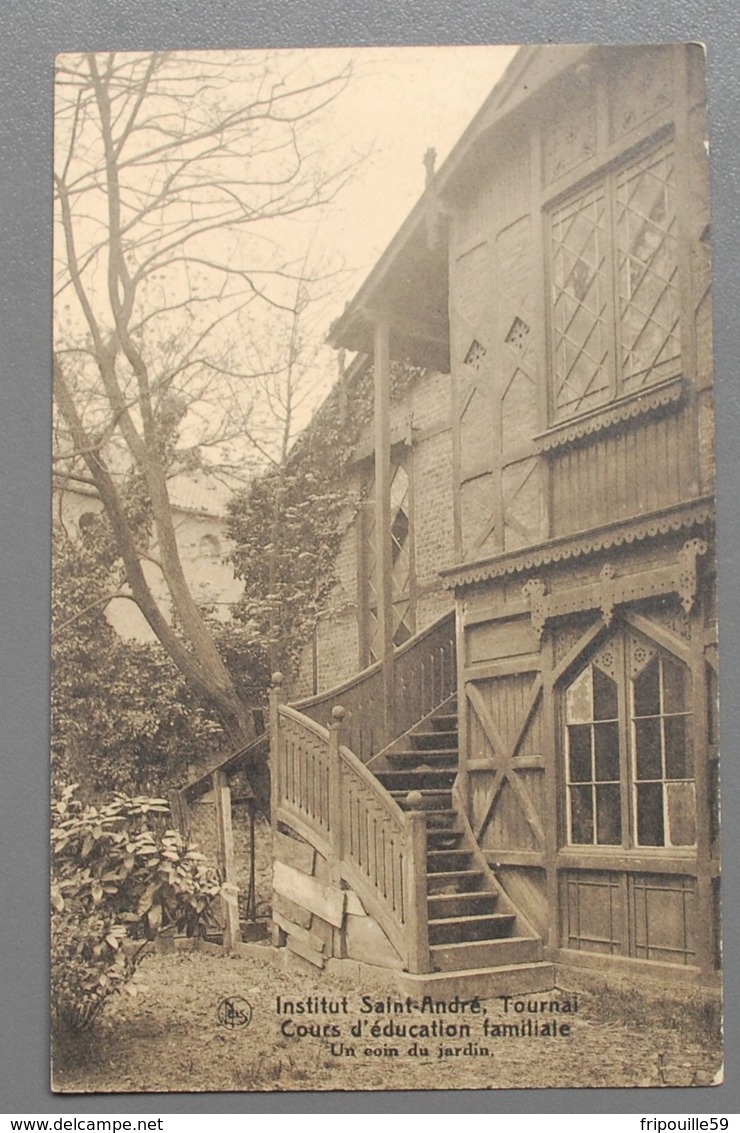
{"x":532,"y":780}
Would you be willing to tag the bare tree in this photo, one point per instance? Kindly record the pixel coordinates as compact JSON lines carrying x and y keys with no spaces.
{"x":175,"y":179}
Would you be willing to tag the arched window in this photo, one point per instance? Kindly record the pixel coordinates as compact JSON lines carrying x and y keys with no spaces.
{"x":210,"y":547}
{"x":628,"y":754}
{"x":86,"y":522}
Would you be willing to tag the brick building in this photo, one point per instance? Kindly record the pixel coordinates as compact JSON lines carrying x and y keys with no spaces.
{"x":345,"y":639}
{"x":198,"y":507}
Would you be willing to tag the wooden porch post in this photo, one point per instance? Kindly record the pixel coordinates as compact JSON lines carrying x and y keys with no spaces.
{"x":229,"y":892}
{"x":276,"y":699}
{"x":276,"y":696}
{"x":384,"y":561}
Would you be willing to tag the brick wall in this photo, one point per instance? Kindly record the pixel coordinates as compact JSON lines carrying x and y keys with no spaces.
{"x":426,"y":409}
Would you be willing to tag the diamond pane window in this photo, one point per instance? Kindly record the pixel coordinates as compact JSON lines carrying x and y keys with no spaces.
{"x":580,"y":308}
{"x":614,"y":306}
{"x":648,"y":271}
{"x":401,"y":567}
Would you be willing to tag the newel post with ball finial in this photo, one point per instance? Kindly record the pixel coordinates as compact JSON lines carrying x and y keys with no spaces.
{"x":335,"y":789}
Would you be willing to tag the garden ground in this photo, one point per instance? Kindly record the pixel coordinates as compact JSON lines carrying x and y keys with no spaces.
{"x":168,"y":1037}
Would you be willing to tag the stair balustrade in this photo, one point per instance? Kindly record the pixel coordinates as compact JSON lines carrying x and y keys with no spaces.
{"x":424,"y":675}
{"x":324,"y":792}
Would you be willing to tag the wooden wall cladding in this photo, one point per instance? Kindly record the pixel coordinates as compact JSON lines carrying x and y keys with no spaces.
{"x":506,"y":768}
{"x":493,"y":640}
{"x":625,"y":473}
{"x":528,"y":890}
{"x":643,"y":916}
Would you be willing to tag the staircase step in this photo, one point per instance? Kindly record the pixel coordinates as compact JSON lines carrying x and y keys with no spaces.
{"x":445,"y":722}
{"x":433,"y":755}
{"x":490,"y":953}
{"x":483,"y":926}
{"x":454,"y":881}
{"x":446,"y":756}
{"x":432,"y":741}
{"x":444,"y":905}
{"x":443,"y":839}
{"x":485,"y":982}
{"x":445,"y":819}
{"x":418,"y":778}
{"x":433,"y":800}
{"x":442,"y":861}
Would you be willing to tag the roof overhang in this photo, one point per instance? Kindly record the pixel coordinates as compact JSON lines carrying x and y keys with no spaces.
{"x":409,"y":283}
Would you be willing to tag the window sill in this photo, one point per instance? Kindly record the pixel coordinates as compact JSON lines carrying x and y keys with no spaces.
{"x":658,"y":399}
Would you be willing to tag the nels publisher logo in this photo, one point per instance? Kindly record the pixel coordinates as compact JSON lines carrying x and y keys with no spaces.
{"x":234,"y":1011}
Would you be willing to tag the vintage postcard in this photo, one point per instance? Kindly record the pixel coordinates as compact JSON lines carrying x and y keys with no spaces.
{"x":385,"y":747}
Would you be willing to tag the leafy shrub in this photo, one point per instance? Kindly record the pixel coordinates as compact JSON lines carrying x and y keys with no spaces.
{"x":119,"y":876}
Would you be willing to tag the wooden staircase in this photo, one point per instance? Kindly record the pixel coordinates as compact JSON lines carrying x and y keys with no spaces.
{"x":374,"y":791}
{"x":472,"y":925}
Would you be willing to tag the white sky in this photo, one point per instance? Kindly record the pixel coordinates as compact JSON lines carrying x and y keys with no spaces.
{"x":402,"y":101}
{"x":399,"y":103}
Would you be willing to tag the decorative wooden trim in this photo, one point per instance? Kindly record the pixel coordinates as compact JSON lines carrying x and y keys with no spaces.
{"x":669,"y":641}
{"x":663,"y":398}
{"x":679,"y":517}
{"x":612,"y":590}
{"x":645,"y":136}
{"x":575,"y":652}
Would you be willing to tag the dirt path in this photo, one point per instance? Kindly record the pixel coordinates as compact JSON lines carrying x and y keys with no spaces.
{"x":169,"y":1038}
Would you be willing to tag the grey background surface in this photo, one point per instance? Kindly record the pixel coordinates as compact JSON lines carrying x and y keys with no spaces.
{"x":31,"y":33}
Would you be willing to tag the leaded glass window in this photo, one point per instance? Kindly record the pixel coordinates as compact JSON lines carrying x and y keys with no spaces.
{"x":580,"y":306}
{"x":402,"y":589}
{"x":614,"y":285}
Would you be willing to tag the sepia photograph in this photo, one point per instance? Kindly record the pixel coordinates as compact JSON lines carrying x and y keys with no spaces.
{"x":384,"y":664}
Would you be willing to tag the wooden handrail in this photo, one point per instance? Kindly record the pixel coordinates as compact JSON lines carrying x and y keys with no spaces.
{"x":358,"y":768}
{"x":335,"y":694}
{"x":424,"y":677}
{"x":329,"y":797}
